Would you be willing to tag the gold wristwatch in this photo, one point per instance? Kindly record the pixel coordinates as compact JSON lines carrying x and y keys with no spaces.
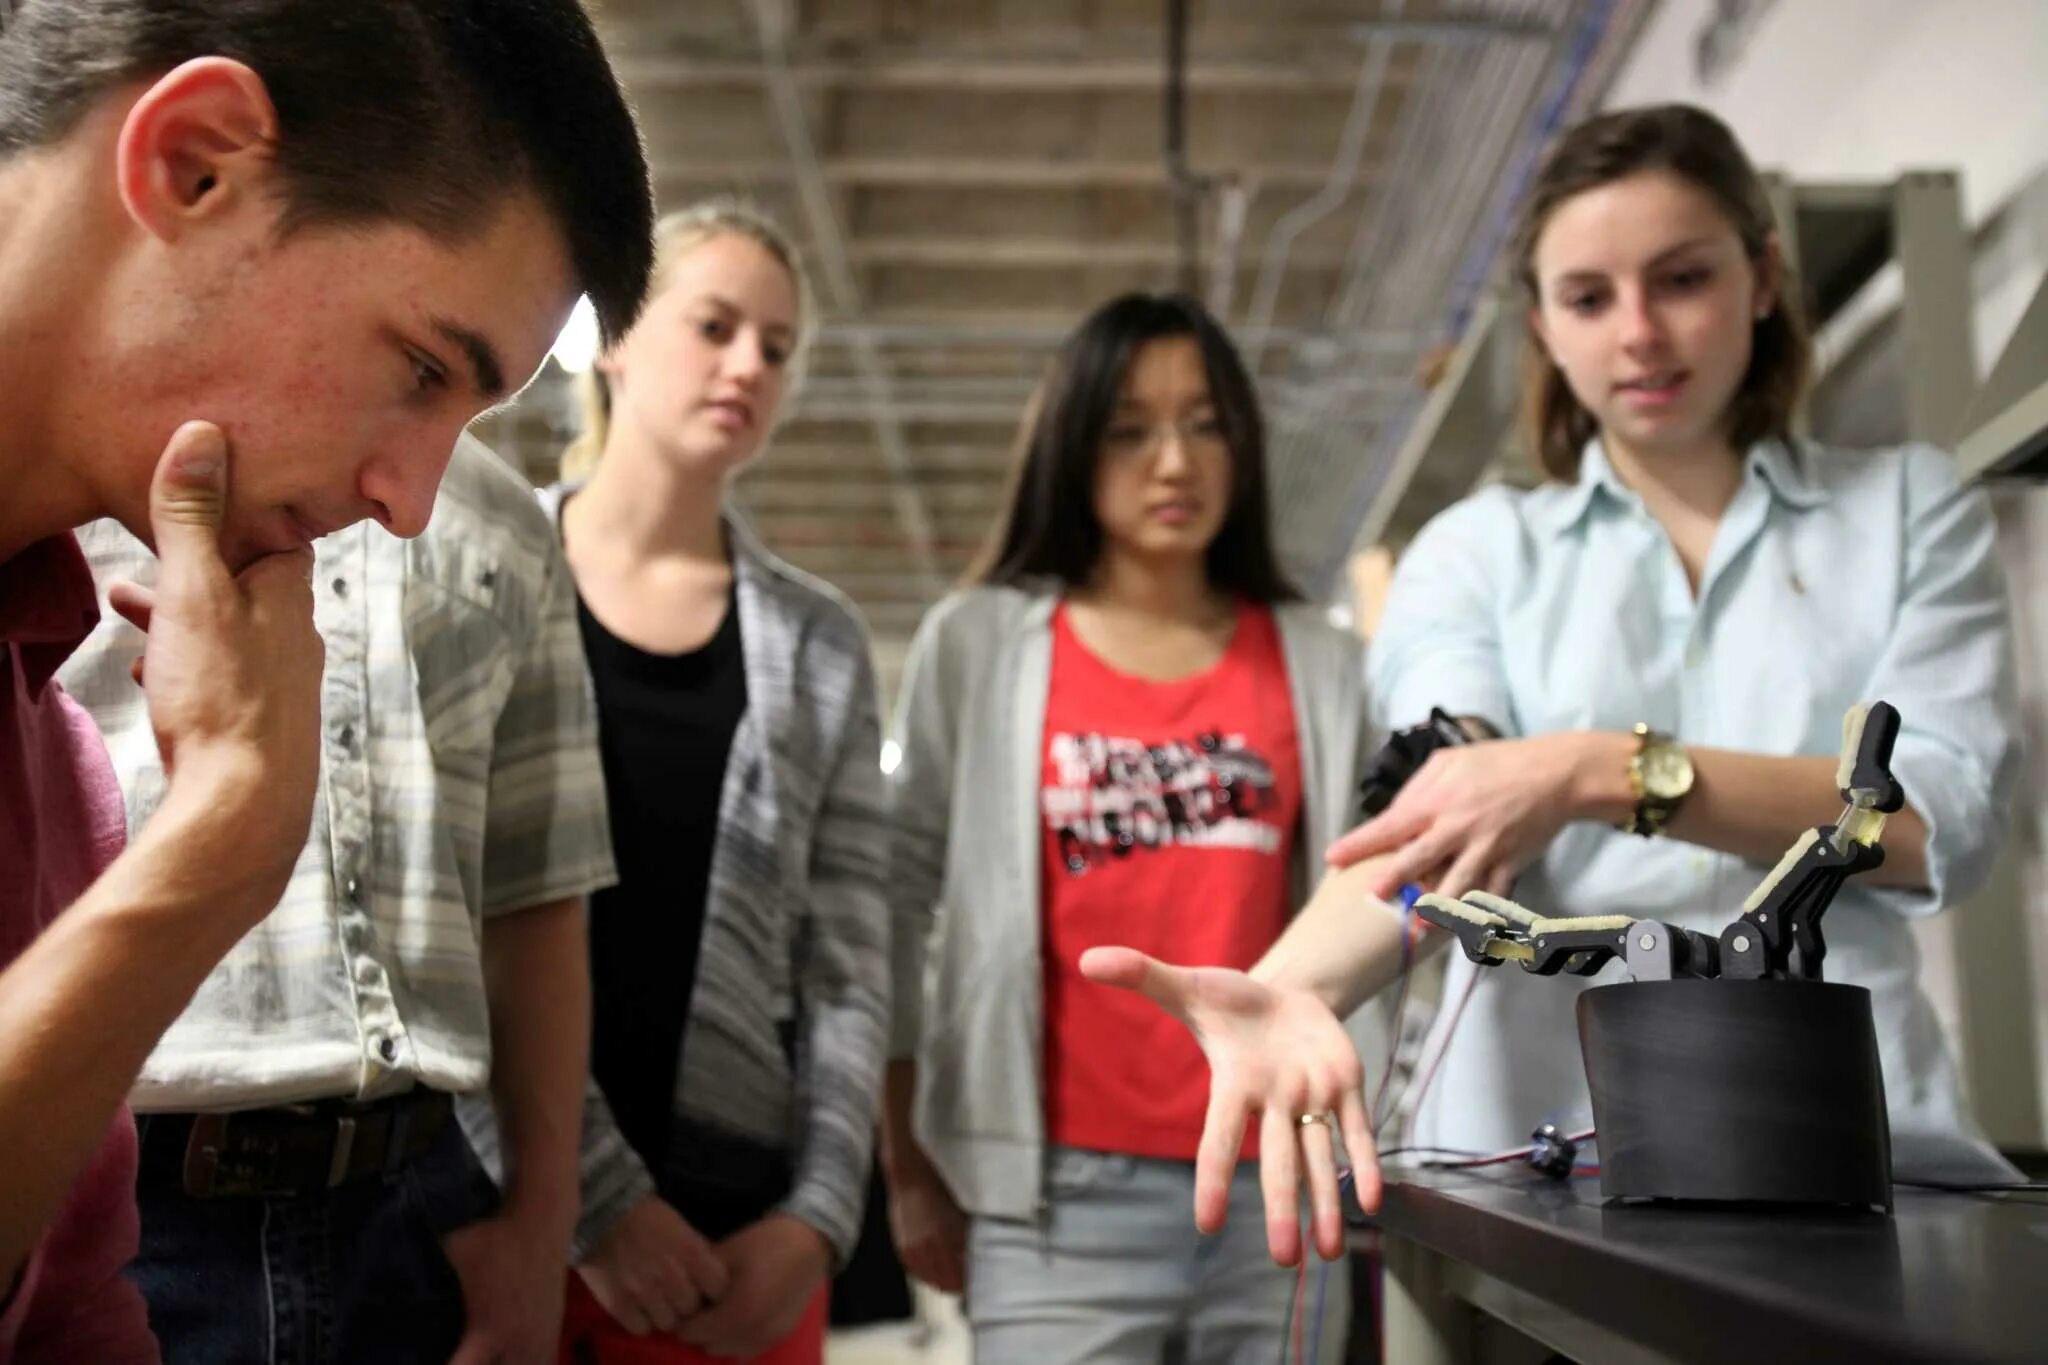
{"x":1660,"y":772}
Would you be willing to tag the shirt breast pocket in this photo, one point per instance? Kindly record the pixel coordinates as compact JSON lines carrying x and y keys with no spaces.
{"x":461,"y":625}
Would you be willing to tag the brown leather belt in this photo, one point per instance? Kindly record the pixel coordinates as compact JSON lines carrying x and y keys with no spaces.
{"x":290,"y":1150}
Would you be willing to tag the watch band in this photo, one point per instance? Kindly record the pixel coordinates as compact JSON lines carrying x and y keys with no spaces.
{"x":1652,"y":812}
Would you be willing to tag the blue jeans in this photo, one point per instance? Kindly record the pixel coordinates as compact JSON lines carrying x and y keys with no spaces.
{"x":353,"y":1274}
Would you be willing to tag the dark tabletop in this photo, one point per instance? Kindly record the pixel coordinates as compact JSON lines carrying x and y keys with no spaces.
{"x":1949,"y":1277}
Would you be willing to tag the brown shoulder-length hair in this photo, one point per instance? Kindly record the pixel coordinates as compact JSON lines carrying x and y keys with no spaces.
{"x":1048,"y":528}
{"x":1698,"y":148}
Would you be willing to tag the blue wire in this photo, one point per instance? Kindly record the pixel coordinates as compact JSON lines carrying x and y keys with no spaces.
{"x":1312,"y":1345}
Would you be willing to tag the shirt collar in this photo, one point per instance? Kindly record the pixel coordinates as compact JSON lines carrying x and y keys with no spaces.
{"x":1785,"y":473}
{"x":47,"y":606}
{"x":1566,"y":507}
{"x":1773,"y":461}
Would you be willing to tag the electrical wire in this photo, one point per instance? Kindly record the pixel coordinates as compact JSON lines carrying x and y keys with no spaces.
{"x":1290,"y":1328}
{"x":1457,"y":1159}
{"x":1428,"y":1074}
{"x":1379,"y":1093}
{"x":1986,"y":1187}
{"x":1315,"y":1340}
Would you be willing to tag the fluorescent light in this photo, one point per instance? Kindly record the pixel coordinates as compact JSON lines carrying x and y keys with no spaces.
{"x":576,"y":347}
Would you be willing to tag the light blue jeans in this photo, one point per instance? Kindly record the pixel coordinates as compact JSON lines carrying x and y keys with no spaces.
{"x":1115,"y":1272}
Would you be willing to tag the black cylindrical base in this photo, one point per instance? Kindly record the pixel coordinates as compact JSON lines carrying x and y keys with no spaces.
{"x":1737,"y":1090}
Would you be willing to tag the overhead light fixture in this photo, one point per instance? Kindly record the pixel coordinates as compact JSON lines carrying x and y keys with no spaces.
{"x":576,"y":348}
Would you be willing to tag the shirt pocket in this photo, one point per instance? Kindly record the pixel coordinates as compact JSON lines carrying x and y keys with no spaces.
{"x":460,"y":615}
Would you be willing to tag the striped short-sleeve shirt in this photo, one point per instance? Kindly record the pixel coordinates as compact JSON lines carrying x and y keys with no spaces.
{"x":460,"y":780}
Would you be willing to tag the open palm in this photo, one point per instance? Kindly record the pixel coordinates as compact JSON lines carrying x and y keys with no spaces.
{"x":1276,"y":1053}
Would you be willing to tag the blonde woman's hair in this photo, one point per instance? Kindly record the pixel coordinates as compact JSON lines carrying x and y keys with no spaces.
{"x":675,"y":237}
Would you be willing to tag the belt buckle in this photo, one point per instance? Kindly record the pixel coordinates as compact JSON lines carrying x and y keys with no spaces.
{"x":216,"y":1166}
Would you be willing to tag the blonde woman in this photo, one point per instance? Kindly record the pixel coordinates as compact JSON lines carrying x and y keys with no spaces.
{"x":740,"y":966}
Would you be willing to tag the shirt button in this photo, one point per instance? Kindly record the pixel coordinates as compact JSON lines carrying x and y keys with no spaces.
{"x":387,"y":1048}
{"x":340,"y":586}
{"x":348,"y":738}
{"x":354,"y":890}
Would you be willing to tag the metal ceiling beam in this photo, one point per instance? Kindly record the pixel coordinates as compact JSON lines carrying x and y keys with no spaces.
{"x":947,"y":331}
{"x":949,"y":172}
{"x":828,"y":244}
{"x":1265,"y":55}
{"x":1042,"y":253}
{"x":1303,"y":73}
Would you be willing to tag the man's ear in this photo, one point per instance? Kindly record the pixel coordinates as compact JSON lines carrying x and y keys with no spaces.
{"x":195,"y":144}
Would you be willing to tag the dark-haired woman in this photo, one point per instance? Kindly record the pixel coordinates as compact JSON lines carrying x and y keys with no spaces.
{"x":1664,"y":637}
{"x":1128,"y":730}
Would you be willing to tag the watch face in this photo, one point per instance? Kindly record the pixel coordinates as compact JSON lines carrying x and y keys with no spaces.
{"x":1667,"y":771}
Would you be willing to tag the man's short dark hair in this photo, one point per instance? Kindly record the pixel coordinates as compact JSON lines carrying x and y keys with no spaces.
{"x":426,"y":112}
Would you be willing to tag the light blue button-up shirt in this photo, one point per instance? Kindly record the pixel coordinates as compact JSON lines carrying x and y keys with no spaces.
{"x":1835,"y":576}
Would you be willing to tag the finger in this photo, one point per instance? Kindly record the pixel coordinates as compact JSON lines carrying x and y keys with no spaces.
{"x":1501,"y":881}
{"x":1469,"y":870}
{"x":949,"y":1266}
{"x":1355,"y":1127}
{"x":1280,"y":1179}
{"x":473,"y":1349}
{"x":613,"y":1298}
{"x":655,"y":1293}
{"x":1216,"y":1155}
{"x":133,"y":602}
{"x":1426,"y":852}
{"x":1319,"y":1157}
{"x":187,"y":501}
{"x":1164,"y":984}
{"x":711,"y":1327}
{"x":1384,"y":833}
{"x":710,"y":1277}
{"x":280,"y":586}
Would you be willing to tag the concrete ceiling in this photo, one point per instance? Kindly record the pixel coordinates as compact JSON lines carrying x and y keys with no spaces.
{"x":968,"y":177}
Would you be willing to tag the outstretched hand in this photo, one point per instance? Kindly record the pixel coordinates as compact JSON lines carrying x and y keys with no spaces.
{"x":1278,"y":1054}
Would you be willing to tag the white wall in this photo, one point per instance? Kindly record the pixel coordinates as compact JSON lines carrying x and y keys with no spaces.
{"x":1861,"y":90}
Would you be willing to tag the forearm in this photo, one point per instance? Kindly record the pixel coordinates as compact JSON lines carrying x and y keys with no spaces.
{"x":1751,"y":805}
{"x":537,"y":977}
{"x":611,"y":1177}
{"x":82,"y":1008}
{"x":1345,"y":945}
{"x":901,"y":1154}
{"x":845,"y":1019}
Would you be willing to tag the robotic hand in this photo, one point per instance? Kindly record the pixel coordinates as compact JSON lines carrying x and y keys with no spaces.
{"x":1777,"y":935}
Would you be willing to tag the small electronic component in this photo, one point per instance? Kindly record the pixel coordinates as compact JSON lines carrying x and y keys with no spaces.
{"x":1403,"y":755}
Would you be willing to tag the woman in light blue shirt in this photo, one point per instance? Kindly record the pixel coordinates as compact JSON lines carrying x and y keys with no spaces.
{"x":1664,"y":637}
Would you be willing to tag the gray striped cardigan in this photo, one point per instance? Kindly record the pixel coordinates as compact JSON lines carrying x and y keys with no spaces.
{"x":796,"y":927}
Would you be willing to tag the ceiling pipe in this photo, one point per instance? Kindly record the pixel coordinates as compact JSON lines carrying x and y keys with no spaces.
{"x":1343,"y":174}
{"x":771,"y":18}
{"x":1185,"y":187}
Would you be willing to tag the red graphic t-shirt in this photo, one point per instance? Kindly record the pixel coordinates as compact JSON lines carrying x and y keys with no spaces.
{"x":1169,"y":813}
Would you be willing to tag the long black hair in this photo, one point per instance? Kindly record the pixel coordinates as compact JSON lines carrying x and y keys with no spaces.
{"x":1049,"y":528}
